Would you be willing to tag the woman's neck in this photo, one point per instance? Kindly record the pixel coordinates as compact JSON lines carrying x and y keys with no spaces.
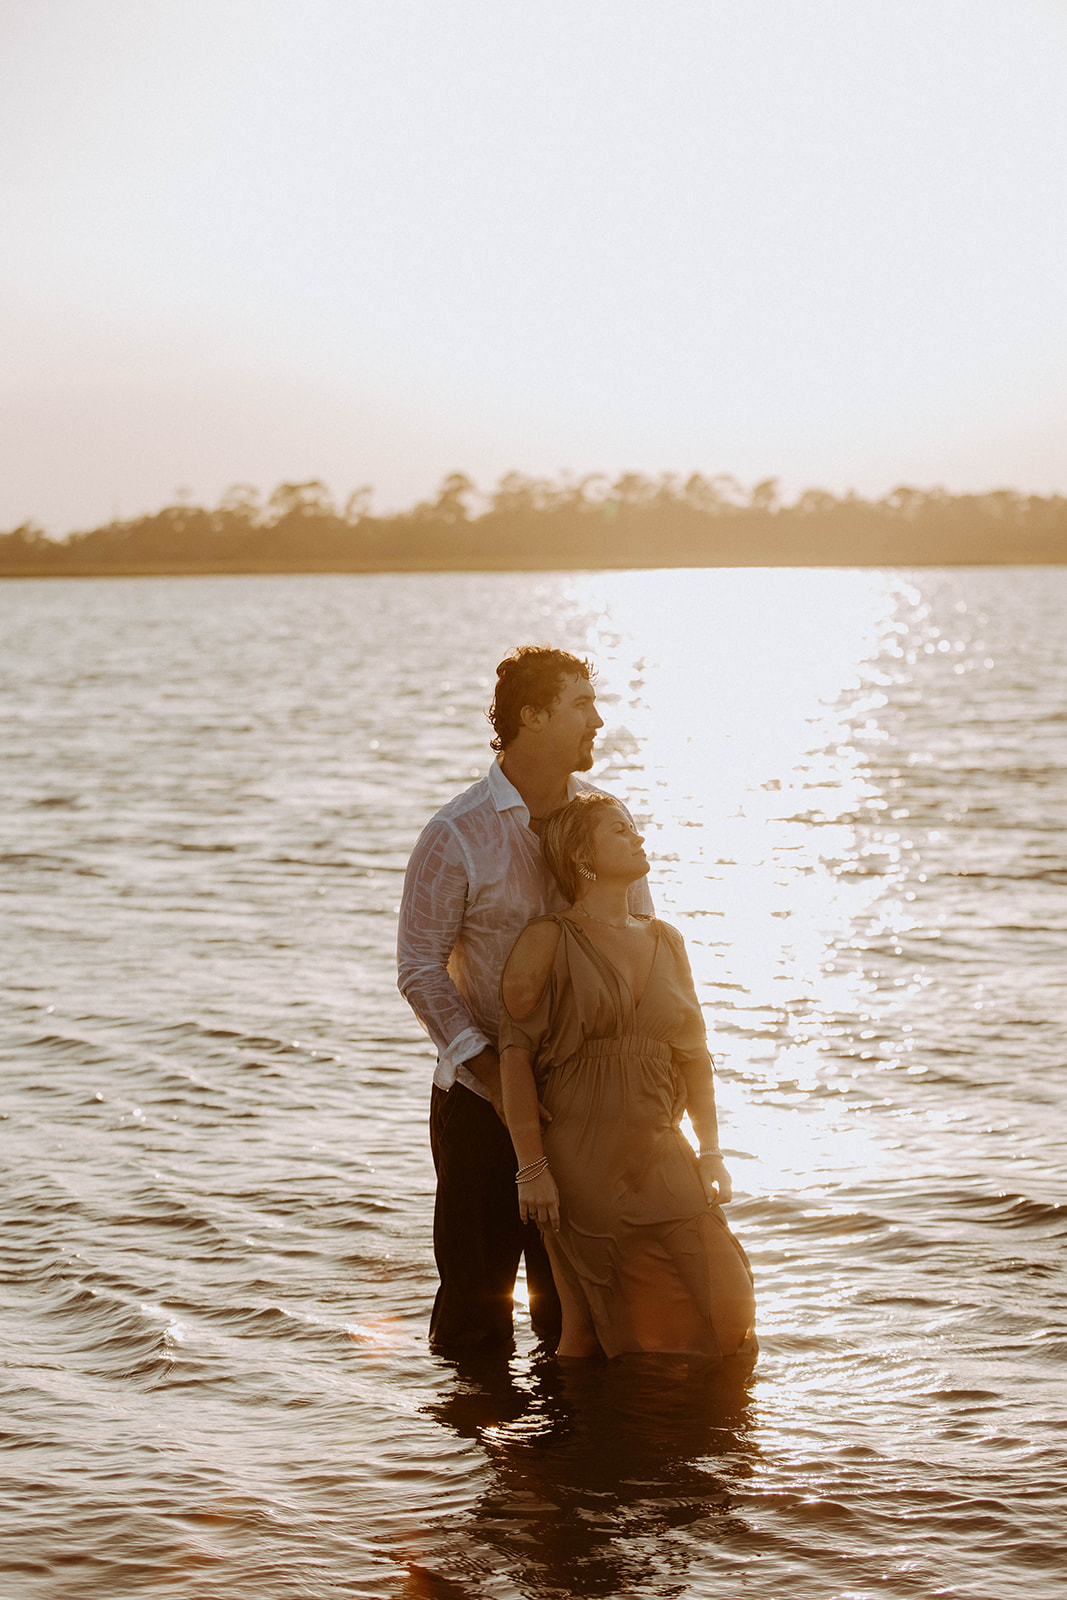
{"x":605,"y":903}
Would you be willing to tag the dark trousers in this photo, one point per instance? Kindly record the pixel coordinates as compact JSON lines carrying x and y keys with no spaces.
{"x":478,"y":1238}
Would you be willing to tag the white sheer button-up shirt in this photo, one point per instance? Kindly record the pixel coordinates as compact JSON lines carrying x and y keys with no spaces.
{"x":475,"y":878}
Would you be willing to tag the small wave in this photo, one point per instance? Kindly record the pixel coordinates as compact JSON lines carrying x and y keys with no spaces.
{"x":1055,"y":875}
{"x":22,"y":858}
{"x":189,"y":848}
{"x":58,"y":1044}
{"x":1017,"y":1211}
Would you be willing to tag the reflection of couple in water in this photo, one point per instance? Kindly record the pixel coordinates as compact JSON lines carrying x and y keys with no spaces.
{"x":559,"y":1004}
{"x":603,"y":1478}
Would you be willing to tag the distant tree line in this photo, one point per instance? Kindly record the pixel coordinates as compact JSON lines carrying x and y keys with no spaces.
{"x":536,"y":523}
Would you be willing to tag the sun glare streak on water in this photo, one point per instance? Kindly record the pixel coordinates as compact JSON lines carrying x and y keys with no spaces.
{"x":218,"y":1188}
{"x":740,"y":717}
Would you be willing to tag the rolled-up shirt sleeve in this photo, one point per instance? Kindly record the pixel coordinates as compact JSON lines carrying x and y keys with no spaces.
{"x":436,"y":886}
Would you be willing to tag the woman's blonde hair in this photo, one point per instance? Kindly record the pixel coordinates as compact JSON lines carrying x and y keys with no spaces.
{"x":566,"y":839}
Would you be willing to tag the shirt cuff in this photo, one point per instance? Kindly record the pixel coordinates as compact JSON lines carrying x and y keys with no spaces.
{"x":465,"y":1045}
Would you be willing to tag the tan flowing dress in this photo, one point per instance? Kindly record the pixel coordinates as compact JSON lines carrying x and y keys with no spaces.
{"x":638,"y":1242}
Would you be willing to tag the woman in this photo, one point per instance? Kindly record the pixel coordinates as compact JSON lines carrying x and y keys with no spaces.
{"x":601,"y":1030}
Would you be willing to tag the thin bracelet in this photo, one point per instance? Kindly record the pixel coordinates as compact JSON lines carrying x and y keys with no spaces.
{"x":709,"y":1153}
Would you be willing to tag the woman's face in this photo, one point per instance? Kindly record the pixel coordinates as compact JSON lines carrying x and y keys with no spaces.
{"x":616,"y":847}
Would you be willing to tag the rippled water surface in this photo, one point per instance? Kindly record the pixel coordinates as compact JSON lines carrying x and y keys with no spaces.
{"x":217,"y":1186}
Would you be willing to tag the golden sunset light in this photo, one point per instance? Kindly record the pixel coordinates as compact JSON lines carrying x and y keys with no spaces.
{"x":533,"y":567}
{"x":378,"y":243}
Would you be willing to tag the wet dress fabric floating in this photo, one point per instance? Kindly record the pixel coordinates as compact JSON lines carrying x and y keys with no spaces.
{"x":638,"y":1246}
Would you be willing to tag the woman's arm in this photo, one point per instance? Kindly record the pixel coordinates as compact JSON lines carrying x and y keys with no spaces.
{"x":522,"y":988}
{"x":538,"y":1196}
{"x":700,"y":1104}
{"x":693,"y":1061}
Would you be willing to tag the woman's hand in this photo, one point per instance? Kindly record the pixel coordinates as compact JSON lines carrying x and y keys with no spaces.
{"x":718,"y":1187}
{"x":539,"y":1201}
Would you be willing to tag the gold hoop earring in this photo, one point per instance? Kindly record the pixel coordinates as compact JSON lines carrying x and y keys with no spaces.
{"x":585,"y":872}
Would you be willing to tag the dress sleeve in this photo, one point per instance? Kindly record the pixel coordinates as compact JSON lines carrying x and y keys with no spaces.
{"x":532,"y":1031}
{"x":689,"y":1042}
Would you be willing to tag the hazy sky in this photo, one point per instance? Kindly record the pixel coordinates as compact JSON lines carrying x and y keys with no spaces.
{"x":373,"y":241}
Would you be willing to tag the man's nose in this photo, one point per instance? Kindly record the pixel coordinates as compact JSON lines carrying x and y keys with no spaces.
{"x":598,"y":720}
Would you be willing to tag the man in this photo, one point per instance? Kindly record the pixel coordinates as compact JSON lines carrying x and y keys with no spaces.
{"x":474,"y":880}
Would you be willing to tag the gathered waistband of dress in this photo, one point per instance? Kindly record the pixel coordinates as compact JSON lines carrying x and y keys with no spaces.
{"x":639,"y":1044}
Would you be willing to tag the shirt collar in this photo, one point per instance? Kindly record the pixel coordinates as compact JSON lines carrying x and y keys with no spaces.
{"x":507,"y":798}
{"x":505,"y":795}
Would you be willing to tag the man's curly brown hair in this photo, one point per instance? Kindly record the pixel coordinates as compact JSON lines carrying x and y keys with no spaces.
{"x":533,"y":675}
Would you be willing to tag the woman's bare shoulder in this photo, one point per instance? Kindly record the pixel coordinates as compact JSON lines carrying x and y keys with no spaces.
{"x":528,"y":966}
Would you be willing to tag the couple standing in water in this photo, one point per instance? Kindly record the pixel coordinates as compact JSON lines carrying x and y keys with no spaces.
{"x":569,"y":1042}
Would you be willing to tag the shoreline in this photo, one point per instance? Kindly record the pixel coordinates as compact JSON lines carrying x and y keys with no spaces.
{"x":238,"y":569}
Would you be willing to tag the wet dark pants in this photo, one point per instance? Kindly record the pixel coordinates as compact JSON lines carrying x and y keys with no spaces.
{"x":478,"y":1238}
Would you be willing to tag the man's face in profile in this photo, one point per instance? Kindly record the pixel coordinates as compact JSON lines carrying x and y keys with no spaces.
{"x":571,"y":725}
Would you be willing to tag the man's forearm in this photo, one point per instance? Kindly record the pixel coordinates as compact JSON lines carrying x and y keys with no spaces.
{"x":437,"y":1004}
{"x":485,"y":1066}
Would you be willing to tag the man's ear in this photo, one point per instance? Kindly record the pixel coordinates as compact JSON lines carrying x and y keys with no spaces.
{"x":531,"y":718}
